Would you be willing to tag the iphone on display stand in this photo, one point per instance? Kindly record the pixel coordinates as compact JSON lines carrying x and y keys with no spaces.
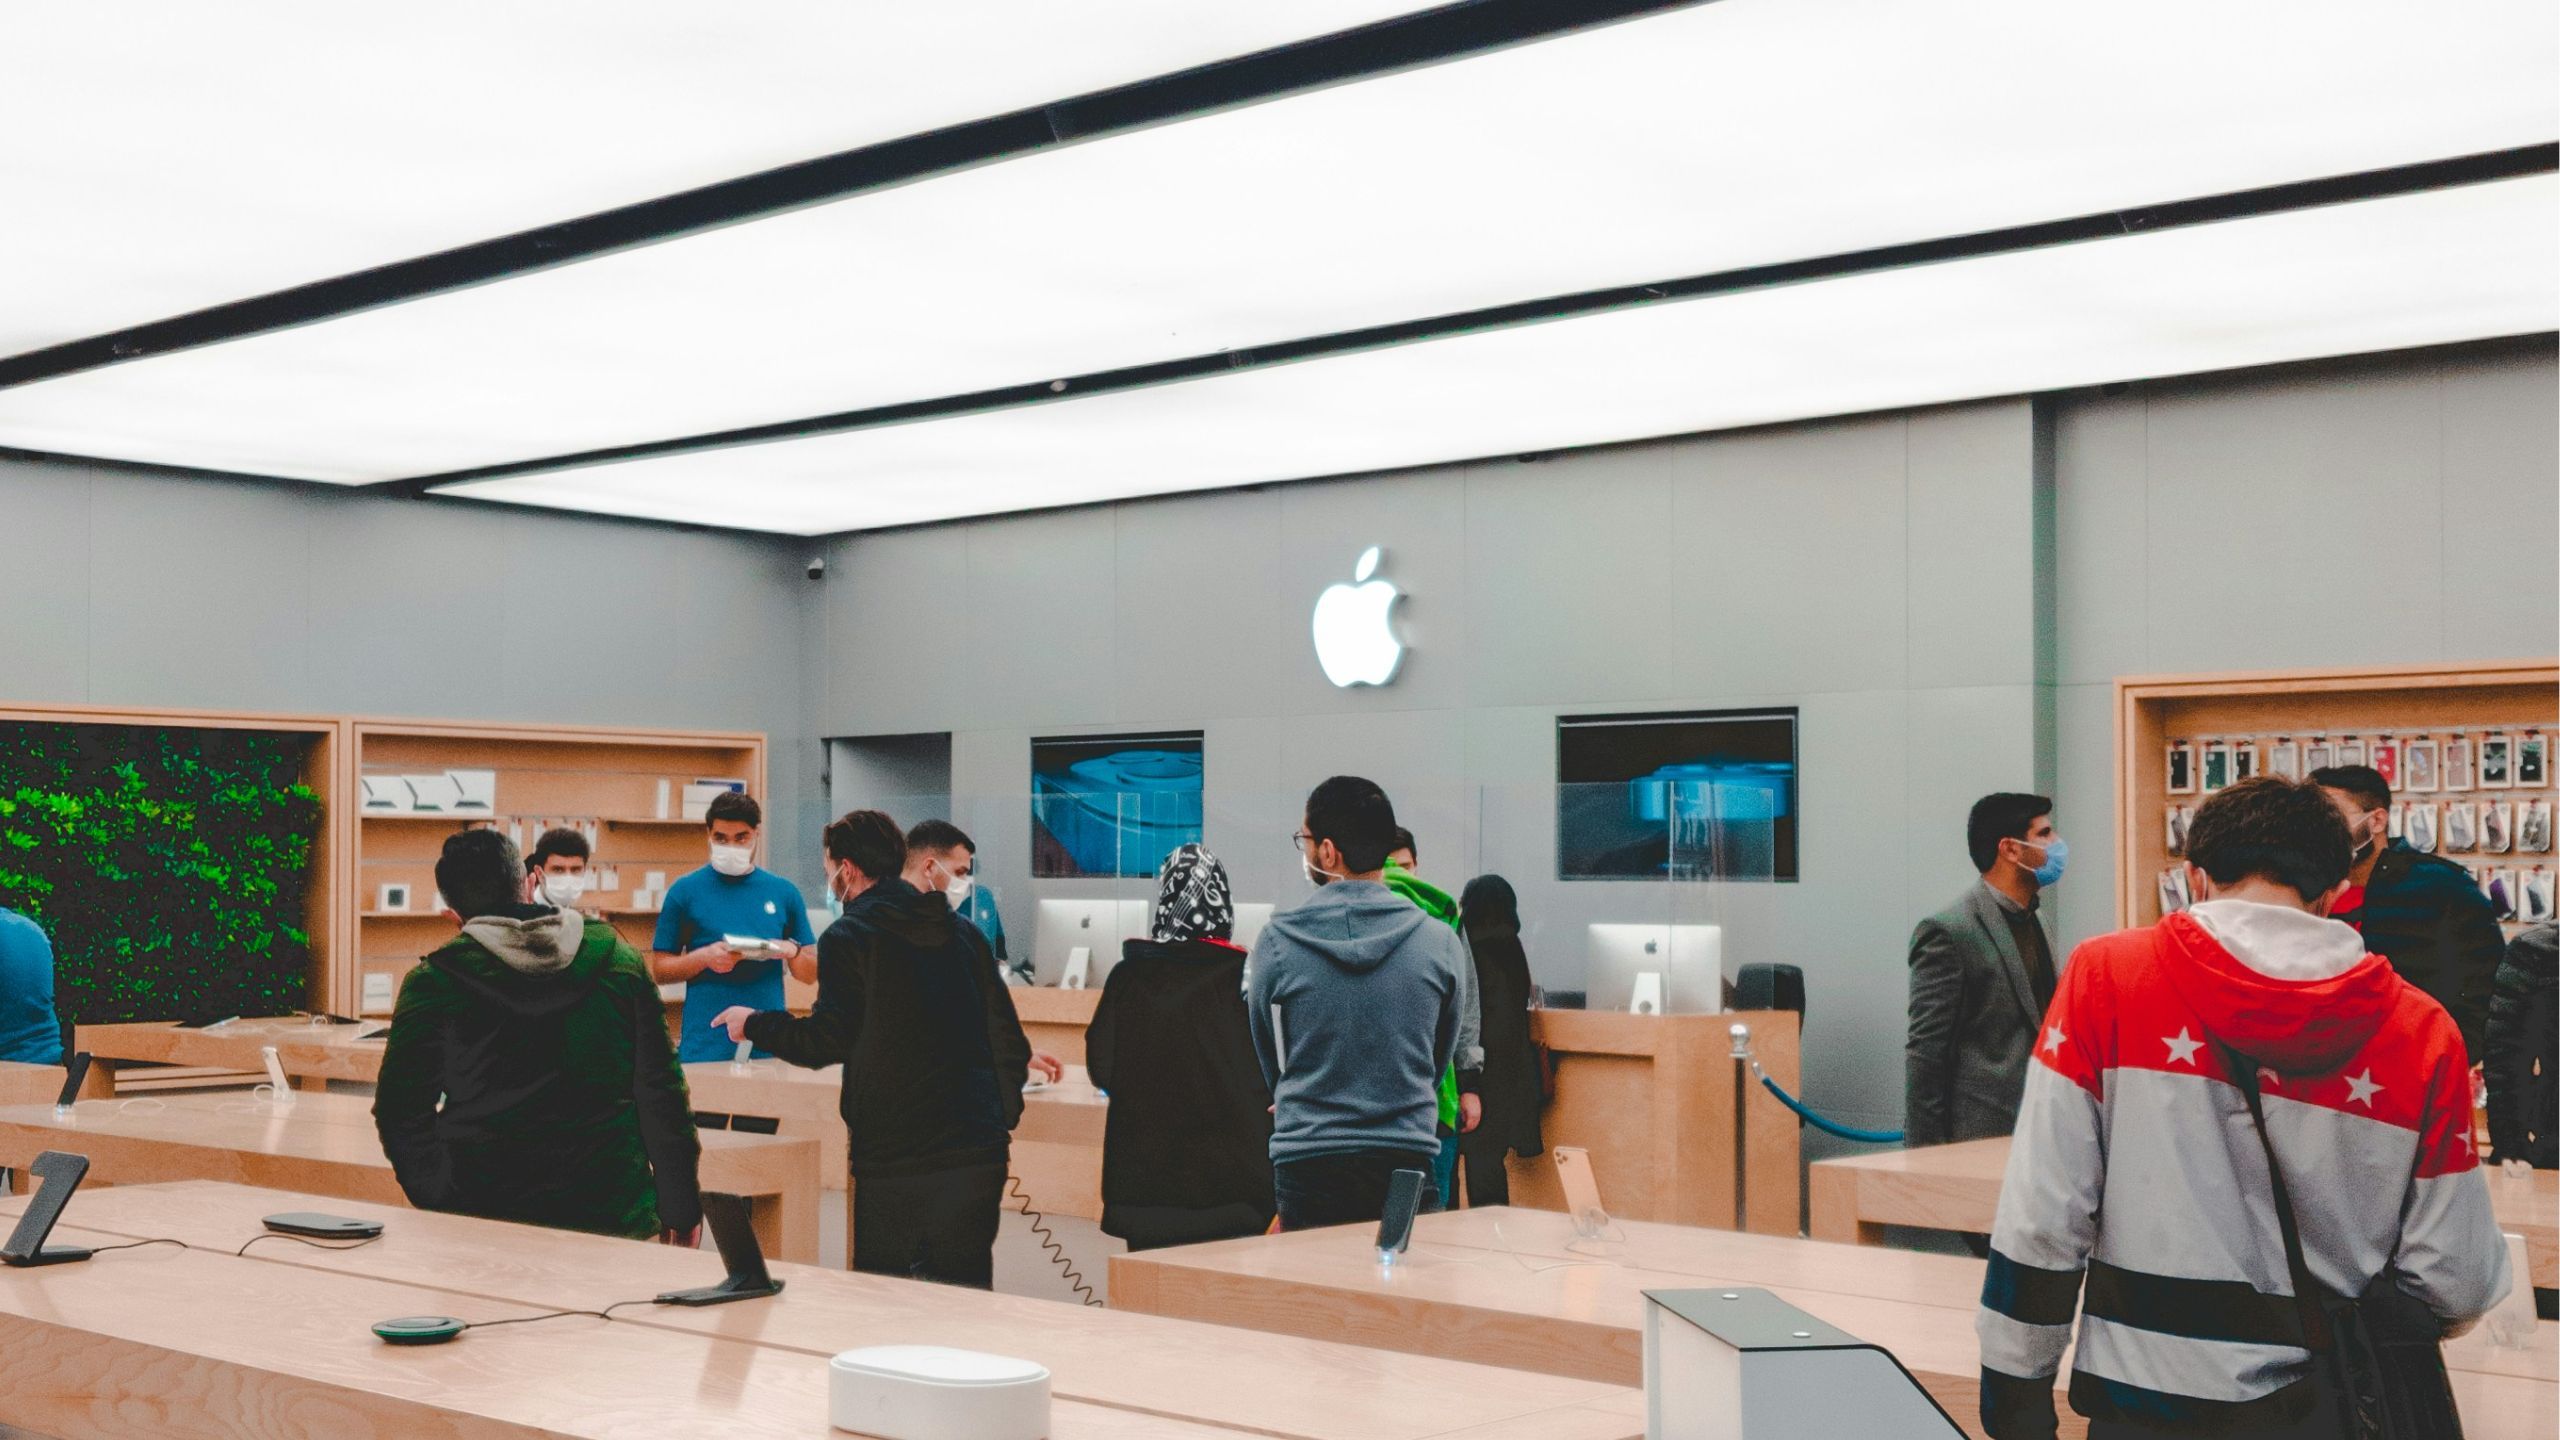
{"x":276,"y":1078}
{"x":1581,"y":1192}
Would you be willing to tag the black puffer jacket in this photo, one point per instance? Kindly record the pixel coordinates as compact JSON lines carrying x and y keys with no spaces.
{"x":2524,"y":1034}
{"x":900,"y":1008}
{"x":1186,"y":1151}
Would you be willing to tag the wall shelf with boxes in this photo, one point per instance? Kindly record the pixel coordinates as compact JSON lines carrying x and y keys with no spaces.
{"x":2467,"y":749}
{"x":637,"y":796}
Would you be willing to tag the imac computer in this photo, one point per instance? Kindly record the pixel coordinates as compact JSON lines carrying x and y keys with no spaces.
{"x":1249,"y":922}
{"x":1671,"y":969}
{"x":1060,"y":928}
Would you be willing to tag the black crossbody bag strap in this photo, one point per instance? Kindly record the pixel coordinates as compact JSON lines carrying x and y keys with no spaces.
{"x":2315,"y":1317}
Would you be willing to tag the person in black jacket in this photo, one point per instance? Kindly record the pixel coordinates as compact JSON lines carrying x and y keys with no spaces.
{"x":943,"y":860}
{"x":897,"y":1007}
{"x":1512,"y":1089}
{"x":528,"y":1075}
{"x":1186,"y":1150}
{"x":2523,"y":1069}
{"x":2423,"y":913}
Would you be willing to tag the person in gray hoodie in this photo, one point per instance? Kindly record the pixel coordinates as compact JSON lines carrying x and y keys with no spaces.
{"x":1354,"y":1005}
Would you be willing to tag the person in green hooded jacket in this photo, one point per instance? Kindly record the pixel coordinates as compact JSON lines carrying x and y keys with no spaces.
{"x":1461,"y":1105}
{"x":543,"y":1037}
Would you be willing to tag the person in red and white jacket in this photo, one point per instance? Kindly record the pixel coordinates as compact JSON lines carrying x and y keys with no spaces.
{"x":2137,"y":1191}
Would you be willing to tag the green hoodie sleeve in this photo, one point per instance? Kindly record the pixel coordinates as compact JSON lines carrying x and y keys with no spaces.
{"x":658,"y":1094}
{"x":411,"y":1085}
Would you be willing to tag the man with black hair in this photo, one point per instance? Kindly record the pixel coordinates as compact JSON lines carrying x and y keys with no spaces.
{"x":2188,"y":1075}
{"x":732,"y":897}
{"x":527,"y":1075}
{"x":1353,"y":1001}
{"x":942,"y":860}
{"x":899,"y":1009}
{"x":1981,"y":975}
{"x":2423,"y":913}
{"x":557,"y":868}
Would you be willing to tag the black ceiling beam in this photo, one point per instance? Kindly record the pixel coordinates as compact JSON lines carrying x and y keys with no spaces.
{"x":1402,"y":42}
{"x":2268,"y":200}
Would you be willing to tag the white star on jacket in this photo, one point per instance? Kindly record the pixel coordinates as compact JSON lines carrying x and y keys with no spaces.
{"x":2053,"y":1038}
{"x":2182,"y":1047}
{"x":2361,"y":1089}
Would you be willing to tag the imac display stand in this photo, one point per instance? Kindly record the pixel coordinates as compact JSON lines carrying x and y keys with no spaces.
{"x":1079,"y":969}
{"x":1647,"y":999}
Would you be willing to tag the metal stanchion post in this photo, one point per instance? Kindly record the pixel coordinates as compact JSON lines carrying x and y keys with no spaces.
{"x":1741,"y":1035}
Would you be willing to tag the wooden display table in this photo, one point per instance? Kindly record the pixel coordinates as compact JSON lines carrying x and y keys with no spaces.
{"x":1513,"y":1287}
{"x":326,"y":1145}
{"x":1057,"y":1148}
{"x":1652,"y":1098}
{"x":1055,"y":1020}
{"x":1957,"y":1187}
{"x":1114,"y":1374}
{"x":22,"y":1084}
{"x":313,"y":1055}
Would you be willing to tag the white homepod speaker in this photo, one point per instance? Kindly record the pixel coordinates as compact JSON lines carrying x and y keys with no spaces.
{"x":933,"y":1392}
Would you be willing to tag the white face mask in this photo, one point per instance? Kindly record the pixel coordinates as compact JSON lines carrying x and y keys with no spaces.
{"x":733,"y":859}
{"x":563,"y":888}
{"x":959,"y":890}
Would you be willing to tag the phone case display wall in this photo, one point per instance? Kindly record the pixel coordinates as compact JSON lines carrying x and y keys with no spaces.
{"x":2465,"y":749}
{"x":636,"y":797}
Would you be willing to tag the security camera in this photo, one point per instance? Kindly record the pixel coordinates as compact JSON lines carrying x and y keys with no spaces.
{"x":817,"y":567}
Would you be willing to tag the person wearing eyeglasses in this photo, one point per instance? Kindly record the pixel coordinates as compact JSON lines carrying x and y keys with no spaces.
{"x":1354,"y":1005}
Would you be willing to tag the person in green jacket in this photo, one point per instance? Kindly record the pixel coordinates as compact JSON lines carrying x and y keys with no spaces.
{"x":544,"y":1039}
{"x":1461,"y":1105}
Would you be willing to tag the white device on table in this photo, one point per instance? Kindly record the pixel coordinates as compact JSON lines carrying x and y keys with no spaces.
{"x":1098,"y":926}
{"x":746,"y":1052}
{"x":1079,"y":969}
{"x":934,"y":1392}
{"x":1581,"y":1192}
{"x":1688,"y":958}
{"x":275,"y":1076}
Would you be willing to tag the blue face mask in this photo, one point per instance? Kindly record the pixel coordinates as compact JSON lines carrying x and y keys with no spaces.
{"x":2057,"y":851}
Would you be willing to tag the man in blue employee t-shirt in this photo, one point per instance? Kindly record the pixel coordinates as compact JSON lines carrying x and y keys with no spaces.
{"x":731,"y":896}
{"x":29,"y":1032}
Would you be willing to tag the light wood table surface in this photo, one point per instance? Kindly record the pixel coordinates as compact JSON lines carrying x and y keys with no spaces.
{"x":312,"y":1055}
{"x":1513,"y":1287}
{"x":152,"y":1343}
{"x":1957,"y":1187}
{"x":1273,"y":1385}
{"x":326,"y":1145}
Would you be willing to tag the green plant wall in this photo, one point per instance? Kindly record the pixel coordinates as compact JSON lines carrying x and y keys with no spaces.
{"x":170,"y":866}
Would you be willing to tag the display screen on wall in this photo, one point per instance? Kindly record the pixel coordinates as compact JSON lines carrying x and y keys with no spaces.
{"x":171,"y":867}
{"x":1112,"y":805}
{"x":1702,"y":795}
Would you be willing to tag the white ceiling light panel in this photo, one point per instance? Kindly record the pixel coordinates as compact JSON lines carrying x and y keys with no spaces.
{"x":160,"y":156}
{"x":2431,"y":268}
{"x":1736,"y":133}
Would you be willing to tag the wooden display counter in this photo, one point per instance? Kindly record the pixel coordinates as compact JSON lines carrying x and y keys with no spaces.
{"x":1518,"y":1288}
{"x":1652,"y":1097}
{"x":1957,"y":1187}
{"x":312,"y":1055}
{"x":1055,"y":1020}
{"x":22,"y":1084}
{"x":326,"y":1145}
{"x":89,"y":1338}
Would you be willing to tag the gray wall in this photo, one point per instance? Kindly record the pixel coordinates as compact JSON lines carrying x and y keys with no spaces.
{"x":1945,"y":594}
{"x":2393,"y":510}
{"x":1878,"y":573}
{"x":123,"y":586}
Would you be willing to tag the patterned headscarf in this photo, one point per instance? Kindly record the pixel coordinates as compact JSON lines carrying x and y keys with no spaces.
{"x":1192,"y":900}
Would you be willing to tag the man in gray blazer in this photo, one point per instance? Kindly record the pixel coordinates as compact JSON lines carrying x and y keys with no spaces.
{"x":1981,"y":976}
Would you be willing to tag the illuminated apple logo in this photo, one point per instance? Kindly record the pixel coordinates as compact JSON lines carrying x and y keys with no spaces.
{"x":1354,"y":642}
